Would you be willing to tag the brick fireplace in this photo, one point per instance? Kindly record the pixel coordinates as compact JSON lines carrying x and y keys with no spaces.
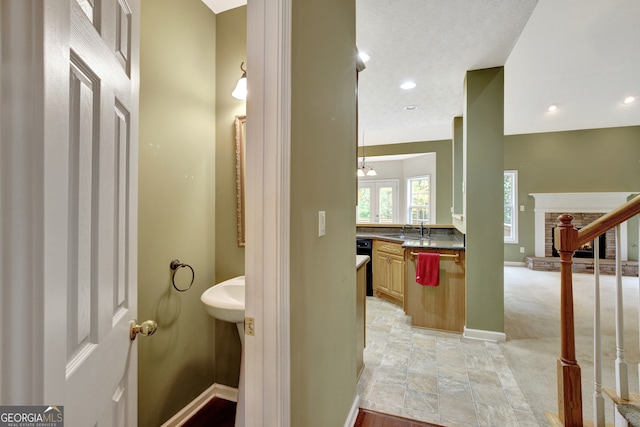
{"x":580,"y":219}
{"x":585,"y":208}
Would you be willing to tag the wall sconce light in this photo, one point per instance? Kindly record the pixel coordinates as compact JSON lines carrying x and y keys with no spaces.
{"x":240,"y":92}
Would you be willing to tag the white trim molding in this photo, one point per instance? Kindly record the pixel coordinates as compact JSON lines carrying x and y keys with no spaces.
{"x":267,"y":387}
{"x":33,"y":223}
{"x":479,"y":334}
{"x":515,"y":264}
{"x":577,"y":203}
{"x":216,"y":390}
{"x":353,"y":413}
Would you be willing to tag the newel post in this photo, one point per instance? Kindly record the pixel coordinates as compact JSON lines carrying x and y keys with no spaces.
{"x":569,"y":384}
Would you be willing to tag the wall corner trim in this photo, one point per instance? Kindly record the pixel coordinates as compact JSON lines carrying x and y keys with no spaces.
{"x":479,"y":334}
{"x":353,"y":413}
{"x":216,"y":390}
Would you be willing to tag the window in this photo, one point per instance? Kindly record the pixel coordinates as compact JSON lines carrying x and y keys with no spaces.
{"x":418,"y":191}
{"x":377,"y":202}
{"x":364,"y":204}
{"x":510,"y":205}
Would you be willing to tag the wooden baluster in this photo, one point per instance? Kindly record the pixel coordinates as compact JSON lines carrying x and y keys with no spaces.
{"x":569,"y":383}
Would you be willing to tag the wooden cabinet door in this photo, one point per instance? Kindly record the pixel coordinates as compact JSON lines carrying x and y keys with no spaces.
{"x":396,"y":276}
{"x":381,"y":272}
{"x":388,"y":271}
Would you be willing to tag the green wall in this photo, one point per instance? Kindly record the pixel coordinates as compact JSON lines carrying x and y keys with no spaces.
{"x":323,"y":274}
{"x":176,"y":203}
{"x":458,"y":172}
{"x":483,"y":153}
{"x":596,"y":160}
{"x":444,"y":162}
{"x":231,"y":48}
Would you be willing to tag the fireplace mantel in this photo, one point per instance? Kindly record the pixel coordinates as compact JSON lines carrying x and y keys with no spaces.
{"x":577,"y":203}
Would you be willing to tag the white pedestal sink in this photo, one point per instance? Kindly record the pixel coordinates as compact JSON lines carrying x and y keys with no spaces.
{"x":225,"y":301}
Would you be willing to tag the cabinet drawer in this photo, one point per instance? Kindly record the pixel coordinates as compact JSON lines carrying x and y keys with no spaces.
{"x":388,"y":247}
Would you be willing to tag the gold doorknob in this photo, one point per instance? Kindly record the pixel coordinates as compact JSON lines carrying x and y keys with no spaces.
{"x":146,"y":328}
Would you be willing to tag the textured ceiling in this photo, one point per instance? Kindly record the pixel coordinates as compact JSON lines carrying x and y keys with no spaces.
{"x":583,"y":55}
{"x":433,"y":43}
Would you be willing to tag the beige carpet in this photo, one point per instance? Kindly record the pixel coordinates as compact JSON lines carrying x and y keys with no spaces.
{"x":532,"y":325}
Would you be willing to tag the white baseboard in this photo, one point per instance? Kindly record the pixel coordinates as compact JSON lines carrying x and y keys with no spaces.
{"x":479,"y":334}
{"x":515,"y":264}
{"x":353,"y":413}
{"x":216,"y":390}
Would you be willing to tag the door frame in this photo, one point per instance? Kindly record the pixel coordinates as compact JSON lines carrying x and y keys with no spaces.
{"x":267,"y":353}
{"x":33,"y":224}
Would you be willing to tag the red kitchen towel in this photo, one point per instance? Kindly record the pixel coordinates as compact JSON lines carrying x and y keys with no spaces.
{"x":428,"y":269}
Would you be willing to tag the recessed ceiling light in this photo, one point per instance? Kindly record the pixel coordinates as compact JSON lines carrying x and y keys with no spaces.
{"x":552,"y":108}
{"x":628,"y":100}
{"x":407,"y":85}
{"x":411,"y":107}
{"x":364,"y":56}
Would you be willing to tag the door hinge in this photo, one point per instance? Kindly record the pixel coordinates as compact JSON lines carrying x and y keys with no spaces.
{"x":249,"y":326}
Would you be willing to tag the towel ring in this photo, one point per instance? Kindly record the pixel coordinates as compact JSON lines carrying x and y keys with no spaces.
{"x":175,"y":265}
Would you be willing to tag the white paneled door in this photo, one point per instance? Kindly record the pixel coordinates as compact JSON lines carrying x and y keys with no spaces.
{"x":69,"y":97}
{"x":101,"y":367}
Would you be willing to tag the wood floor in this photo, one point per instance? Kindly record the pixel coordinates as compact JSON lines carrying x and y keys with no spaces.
{"x":216,"y":413}
{"x":222,"y":413}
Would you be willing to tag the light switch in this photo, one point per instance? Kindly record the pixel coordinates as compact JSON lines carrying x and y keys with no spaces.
{"x":321,"y":223}
{"x":521,"y":208}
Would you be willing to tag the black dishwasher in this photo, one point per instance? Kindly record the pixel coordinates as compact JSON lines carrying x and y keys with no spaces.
{"x":365,"y":247}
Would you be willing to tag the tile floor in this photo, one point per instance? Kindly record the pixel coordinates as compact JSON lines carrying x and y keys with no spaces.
{"x":437,"y":377}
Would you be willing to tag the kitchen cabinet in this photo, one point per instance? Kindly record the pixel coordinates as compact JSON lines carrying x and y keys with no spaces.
{"x":388,"y":271}
{"x":361,"y":298}
{"x":439,"y":307}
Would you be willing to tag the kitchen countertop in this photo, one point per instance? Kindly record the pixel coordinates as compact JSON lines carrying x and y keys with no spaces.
{"x":437,"y":241}
{"x":361,"y":260}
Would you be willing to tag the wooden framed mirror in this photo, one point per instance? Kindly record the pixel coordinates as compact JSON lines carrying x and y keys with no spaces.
{"x":240,"y":125}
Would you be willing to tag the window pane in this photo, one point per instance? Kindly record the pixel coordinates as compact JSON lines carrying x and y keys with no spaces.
{"x":508,"y":222}
{"x":510,"y":218}
{"x":508,"y":188}
{"x":364,"y":205}
{"x":418,"y":208}
{"x":419,"y":192}
{"x":419,"y":215}
{"x":386,"y":205}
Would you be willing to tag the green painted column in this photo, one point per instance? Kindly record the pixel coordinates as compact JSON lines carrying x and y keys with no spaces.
{"x":483,"y":151}
{"x":457,"y":164}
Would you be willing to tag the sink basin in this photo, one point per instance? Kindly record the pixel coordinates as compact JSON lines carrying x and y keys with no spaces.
{"x":225,"y":300}
{"x":411,"y":236}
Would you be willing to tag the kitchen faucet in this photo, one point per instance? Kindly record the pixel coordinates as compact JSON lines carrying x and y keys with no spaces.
{"x":422,"y":231}
{"x":404,"y":227}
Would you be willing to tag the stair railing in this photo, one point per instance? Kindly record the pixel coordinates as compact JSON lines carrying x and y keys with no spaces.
{"x":567,"y":240}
